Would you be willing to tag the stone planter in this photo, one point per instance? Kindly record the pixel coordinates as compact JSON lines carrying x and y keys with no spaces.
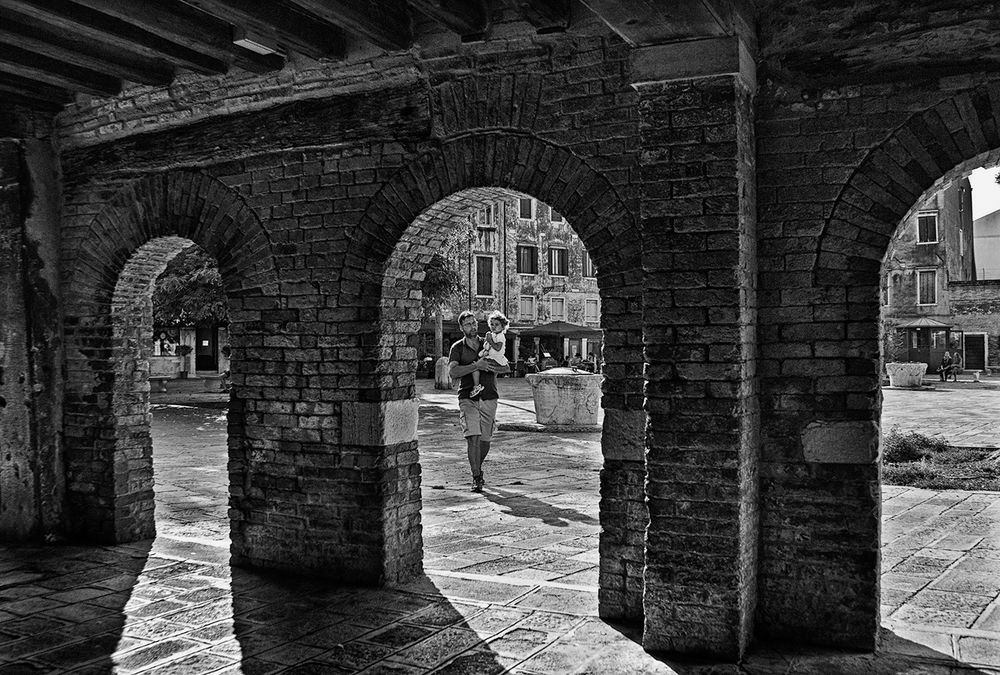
{"x":566,"y":397}
{"x":906,"y":374}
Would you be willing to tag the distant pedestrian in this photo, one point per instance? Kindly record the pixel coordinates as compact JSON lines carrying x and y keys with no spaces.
{"x":478,"y":416}
{"x":956,"y":366}
{"x":945,"y":368}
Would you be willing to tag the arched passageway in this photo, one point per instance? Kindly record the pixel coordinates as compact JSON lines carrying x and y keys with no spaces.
{"x":108,"y":339}
{"x":405,"y":216}
{"x":824,"y":440}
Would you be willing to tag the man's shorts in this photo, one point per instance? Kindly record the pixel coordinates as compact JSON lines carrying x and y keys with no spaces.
{"x":478,"y":418}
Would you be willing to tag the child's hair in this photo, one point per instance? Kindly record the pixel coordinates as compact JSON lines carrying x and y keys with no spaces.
{"x":498,"y":315}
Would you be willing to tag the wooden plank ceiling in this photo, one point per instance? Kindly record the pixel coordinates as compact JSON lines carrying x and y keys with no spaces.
{"x":51,"y":50}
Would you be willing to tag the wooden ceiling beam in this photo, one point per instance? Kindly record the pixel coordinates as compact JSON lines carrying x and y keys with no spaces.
{"x":171,"y":20}
{"x":190,"y":27}
{"x":86,"y":54}
{"x":19,"y":97}
{"x":468,"y":18}
{"x":54,"y":72}
{"x":115,"y":32}
{"x":284,"y":26}
{"x":384,"y":23}
{"x":547,"y":16}
{"x":257,"y":63}
{"x":651,"y":22}
{"x":33,"y":90}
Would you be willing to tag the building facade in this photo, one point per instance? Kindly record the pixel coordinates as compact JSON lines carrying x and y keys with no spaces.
{"x":518,"y":255}
{"x":932,"y":300}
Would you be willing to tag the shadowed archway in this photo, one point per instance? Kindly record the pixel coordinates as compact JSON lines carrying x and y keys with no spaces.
{"x":108,"y":276}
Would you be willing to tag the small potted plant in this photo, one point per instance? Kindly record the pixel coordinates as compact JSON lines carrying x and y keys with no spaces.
{"x":183,"y":351}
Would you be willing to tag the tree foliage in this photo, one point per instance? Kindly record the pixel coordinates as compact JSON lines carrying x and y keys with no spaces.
{"x":190,"y":291}
{"x":441,"y":281}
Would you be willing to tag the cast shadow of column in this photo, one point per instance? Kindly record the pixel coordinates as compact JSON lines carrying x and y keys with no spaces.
{"x":280,"y":620}
{"x":64,"y":606}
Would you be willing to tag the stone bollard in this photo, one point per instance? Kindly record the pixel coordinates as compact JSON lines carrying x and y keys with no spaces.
{"x":442,"y":380}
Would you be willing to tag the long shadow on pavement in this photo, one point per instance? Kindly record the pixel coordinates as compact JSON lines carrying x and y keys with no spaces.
{"x":65,"y":606}
{"x":280,"y":621}
{"x":522,"y":506}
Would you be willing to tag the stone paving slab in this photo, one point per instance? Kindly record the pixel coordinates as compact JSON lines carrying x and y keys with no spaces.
{"x":966,"y":414}
{"x":510,"y":583}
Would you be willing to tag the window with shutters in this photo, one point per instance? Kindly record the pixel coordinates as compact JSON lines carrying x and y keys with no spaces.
{"x":484,"y":275}
{"x":527,"y":259}
{"x":927,"y":287}
{"x":558,"y":262}
{"x":927,"y":227}
{"x":588,"y":266}
{"x":592,"y":311}
{"x":526,"y":309}
{"x":557,"y":309}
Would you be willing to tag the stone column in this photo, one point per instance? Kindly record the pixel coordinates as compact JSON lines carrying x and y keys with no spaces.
{"x":699,"y":325}
{"x":383,"y":524}
{"x":31,"y":484}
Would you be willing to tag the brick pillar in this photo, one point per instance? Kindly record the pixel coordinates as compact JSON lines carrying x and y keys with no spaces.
{"x":30,"y":389}
{"x":699,"y":330}
{"x":384,"y":523}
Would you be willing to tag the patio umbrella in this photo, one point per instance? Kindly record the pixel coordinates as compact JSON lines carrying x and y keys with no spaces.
{"x":561,"y":329}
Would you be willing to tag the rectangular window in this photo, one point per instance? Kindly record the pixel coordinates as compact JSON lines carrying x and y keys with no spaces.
{"x":526,"y":208}
{"x":556,"y":216}
{"x":588,"y":266}
{"x":558,"y":308}
{"x":527,"y":260}
{"x":927,"y":287}
{"x":484,"y":275}
{"x":527,"y":308}
{"x":927,"y":227}
{"x":558,"y":262}
{"x":591,"y":311}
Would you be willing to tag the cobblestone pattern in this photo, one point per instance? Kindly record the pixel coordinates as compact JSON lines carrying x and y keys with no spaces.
{"x":837,"y":171}
{"x":699,"y":317}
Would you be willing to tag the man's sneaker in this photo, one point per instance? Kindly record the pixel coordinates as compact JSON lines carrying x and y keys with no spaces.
{"x":476,"y":391}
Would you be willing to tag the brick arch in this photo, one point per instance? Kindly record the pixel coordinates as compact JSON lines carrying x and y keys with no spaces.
{"x":524,"y":163}
{"x":931,"y":147}
{"x":109,"y":266}
{"x":517,"y":161}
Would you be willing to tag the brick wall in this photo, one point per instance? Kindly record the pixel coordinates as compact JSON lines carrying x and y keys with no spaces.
{"x":304,"y":183}
{"x":838,"y":169}
{"x":699,"y":307}
{"x":334,"y":177}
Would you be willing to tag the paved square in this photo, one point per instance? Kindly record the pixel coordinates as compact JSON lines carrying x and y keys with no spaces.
{"x":510,"y":583}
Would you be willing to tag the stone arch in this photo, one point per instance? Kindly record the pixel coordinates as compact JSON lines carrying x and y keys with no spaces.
{"x":932,"y":146}
{"x":109,"y":266}
{"x":835,"y":432}
{"x":523,"y":163}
